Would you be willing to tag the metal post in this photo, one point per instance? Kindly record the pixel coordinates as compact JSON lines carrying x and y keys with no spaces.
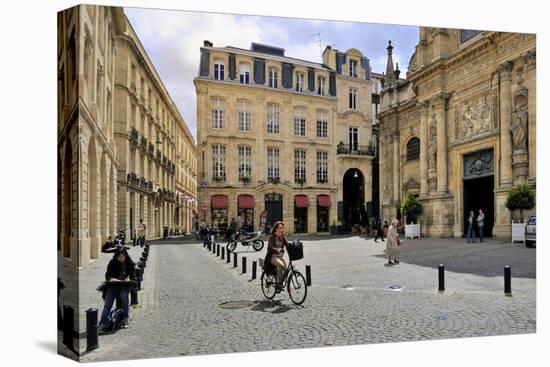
{"x":508,"y":281}
{"x":218,"y":249}
{"x":68,"y":326}
{"x":244,"y":264}
{"x":234,"y":259}
{"x":223,"y":253}
{"x":228,"y":256}
{"x":134,"y":296}
{"x":253,"y":269}
{"x":143,"y":261}
{"x":92,"y":341}
{"x":308,"y":275}
{"x":441,"y":287}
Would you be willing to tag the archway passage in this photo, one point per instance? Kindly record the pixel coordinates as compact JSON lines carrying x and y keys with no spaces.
{"x":354,"y":199}
{"x":479,"y":194}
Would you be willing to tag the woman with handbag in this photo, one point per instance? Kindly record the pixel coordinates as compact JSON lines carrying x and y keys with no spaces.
{"x":275,"y":252}
{"x":392,"y":241}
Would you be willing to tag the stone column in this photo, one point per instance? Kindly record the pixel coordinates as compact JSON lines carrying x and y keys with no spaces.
{"x":505,"y":71}
{"x":440,"y":103}
{"x":530,"y":59}
{"x":396,"y":196}
{"x":424,"y":110}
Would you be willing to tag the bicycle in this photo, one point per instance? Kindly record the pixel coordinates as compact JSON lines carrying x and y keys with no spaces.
{"x":293,"y":280}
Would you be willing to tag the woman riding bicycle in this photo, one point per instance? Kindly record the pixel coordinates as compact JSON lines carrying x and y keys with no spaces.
{"x":275,"y":253}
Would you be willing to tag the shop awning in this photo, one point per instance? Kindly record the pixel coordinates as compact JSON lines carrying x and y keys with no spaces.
{"x":324,"y":200}
{"x":246,"y":202}
{"x":301,"y":201}
{"x":219,"y":202}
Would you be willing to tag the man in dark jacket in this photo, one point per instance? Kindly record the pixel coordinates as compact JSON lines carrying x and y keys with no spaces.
{"x":120,"y":268}
{"x":379,"y":232}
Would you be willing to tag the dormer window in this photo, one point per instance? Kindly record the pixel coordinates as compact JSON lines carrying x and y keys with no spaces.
{"x":245,"y":74}
{"x":219,"y":70}
{"x":273,"y":77}
{"x":353,"y":68}
{"x":321,"y":85}
{"x":300,"y":82}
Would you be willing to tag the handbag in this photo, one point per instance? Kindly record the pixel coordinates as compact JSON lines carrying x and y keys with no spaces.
{"x":398,"y":242}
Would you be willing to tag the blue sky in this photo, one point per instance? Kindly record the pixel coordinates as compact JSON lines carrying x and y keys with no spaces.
{"x":172,"y":39}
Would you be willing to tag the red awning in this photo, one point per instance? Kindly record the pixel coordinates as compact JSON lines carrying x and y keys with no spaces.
{"x":301,"y":201}
{"x":246,"y":201}
{"x":219,"y":202}
{"x":324,"y":200}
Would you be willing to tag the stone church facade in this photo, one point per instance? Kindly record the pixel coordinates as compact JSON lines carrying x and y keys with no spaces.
{"x":459,"y":131}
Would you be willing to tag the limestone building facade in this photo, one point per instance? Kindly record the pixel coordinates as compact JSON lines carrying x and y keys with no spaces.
{"x":460,"y":131}
{"x":283,"y":135}
{"x":107,"y":176}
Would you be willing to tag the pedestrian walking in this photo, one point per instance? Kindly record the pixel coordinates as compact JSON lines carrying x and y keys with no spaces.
{"x":379,"y":232}
{"x":239,"y":223}
{"x":480,"y":222}
{"x":142,"y":232}
{"x":471,"y":234}
{"x":392,"y":241}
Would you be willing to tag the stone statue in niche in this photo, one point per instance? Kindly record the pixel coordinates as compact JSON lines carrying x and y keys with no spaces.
{"x":432,"y":148}
{"x":468,"y":126}
{"x":519,"y":130}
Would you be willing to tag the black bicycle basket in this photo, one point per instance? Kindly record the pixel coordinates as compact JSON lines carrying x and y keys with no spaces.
{"x":295,"y":250}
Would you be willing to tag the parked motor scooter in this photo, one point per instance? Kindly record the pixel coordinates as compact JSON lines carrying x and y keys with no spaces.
{"x":246,"y":239}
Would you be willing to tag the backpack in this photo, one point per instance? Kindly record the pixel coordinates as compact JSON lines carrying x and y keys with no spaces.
{"x":115,"y":319}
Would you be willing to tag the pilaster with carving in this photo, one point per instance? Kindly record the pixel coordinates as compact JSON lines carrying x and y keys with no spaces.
{"x":440,"y":103}
{"x":424,"y":108}
{"x":505,"y":73}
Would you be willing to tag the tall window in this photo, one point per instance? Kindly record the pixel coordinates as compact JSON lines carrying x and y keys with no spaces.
{"x":273,"y":77}
{"x":272,"y":164}
{"x":321,"y":85}
{"x":218,"y":162}
{"x":322,"y":124}
{"x":300,"y":82}
{"x":322,"y":167}
{"x":245,"y":73}
{"x":219,"y":70}
{"x":353,"y":98}
{"x":299,"y":165}
{"x":413,"y":149}
{"x":353,"y":68}
{"x":273,"y":118}
{"x":218,"y":113}
{"x":245,"y":162}
{"x":300,"y":122}
{"x":244,"y":115}
{"x":353,"y":138}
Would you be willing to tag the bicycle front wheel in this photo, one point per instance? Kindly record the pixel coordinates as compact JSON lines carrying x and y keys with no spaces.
{"x":268,"y":285}
{"x":297,"y":287}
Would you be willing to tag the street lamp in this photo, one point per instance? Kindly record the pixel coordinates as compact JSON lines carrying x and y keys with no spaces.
{"x":355,"y":175}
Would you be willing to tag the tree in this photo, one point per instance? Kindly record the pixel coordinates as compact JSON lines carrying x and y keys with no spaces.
{"x":411,"y":208}
{"x":520,"y":198}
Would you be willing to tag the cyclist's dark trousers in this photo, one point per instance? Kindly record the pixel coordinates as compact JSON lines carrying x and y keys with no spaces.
{"x":280,"y":264}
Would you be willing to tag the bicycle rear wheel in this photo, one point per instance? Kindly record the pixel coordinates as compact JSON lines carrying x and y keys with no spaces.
{"x":297,"y":287}
{"x":268,"y":285}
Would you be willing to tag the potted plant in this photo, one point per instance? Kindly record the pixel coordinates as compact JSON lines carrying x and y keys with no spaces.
{"x":520,"y":198}
{"x":411,"y":209}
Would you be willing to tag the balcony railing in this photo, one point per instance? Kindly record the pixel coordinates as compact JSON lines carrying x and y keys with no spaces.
{"x":132,"y":178}
{"x":360,"y":150}
{"x":275,"y":179}
{"x":219,"y":178}
{"x":159,"y":155}
{"x":143,"y":142}
{"x":151,"y":149}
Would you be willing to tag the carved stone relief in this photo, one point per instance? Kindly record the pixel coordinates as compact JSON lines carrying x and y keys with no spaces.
{"x":388,"y":171}
{"x":476,"y":116}
{"x":513,"y":42}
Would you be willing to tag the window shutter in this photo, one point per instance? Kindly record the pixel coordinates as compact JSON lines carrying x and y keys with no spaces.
{"x":259,"y":71}
{"x":205,"y":63}
{"x":332,"y":84}
{"x":287,"y":75}
{"x":311,"y":79}
{"x":232,"y":66}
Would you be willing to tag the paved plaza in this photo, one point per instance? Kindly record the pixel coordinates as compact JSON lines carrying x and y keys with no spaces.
{"x":205,"y":305}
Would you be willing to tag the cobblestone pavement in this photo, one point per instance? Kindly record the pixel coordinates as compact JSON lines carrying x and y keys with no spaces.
{"x":193,"y":285}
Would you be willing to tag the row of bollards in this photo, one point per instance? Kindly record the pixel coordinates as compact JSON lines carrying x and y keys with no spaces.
{"x":219,"y":250}
{"x":92,"y":338}
{"x":507,"y":280}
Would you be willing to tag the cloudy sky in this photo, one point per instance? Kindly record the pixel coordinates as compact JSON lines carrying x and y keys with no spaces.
{"x":172,"y":39}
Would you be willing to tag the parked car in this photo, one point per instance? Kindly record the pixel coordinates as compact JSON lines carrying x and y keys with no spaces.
{"x":531,"y":231}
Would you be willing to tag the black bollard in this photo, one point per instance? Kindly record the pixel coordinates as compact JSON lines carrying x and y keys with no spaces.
{"x":253,"y":269}
{"x":68,"y":326}
{"x":441,"y":287}
{"x":244,"y":264}
{"x":234,"y":259}
{"x":143,"y":262}
{"x":91,"y":329}
{"x":228,"y":256}
{"x":139,"y":272}
{"x":223,"y":253}
{"x":507,"y":281}
{"x":308,"y":275}
{"x":134,"y":296}
{"x":218,"y":249}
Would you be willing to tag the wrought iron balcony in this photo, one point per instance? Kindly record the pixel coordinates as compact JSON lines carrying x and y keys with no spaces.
{"x":359,"y":150}
{"x":143,"y":142}
{"x":159,"y":155}
{"x":132,"y":178}
{"x":275,"y":179}
{"x":143,"y":183}
{"x":151,"y":149}
{"x":218,"y":178}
